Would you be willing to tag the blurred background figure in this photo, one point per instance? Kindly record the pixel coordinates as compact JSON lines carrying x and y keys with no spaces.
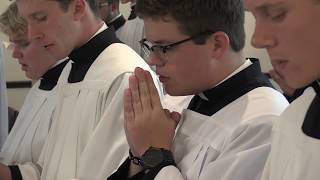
{"x":133,"y":14}
{"x":129,"y":32}
{"x":110,"y":13}
{"x":133,"y":31}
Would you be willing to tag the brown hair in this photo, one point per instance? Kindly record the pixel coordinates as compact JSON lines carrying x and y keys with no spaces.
{"x":198,"y":16}
{"x":11,"y":23}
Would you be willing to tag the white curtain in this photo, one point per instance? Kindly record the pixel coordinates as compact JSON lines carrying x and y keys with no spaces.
{"x":3,"y":99}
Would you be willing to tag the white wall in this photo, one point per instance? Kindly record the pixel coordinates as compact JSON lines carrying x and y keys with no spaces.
{"x":13,"y":72}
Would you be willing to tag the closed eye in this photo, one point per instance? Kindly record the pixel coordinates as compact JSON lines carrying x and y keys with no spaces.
{"x":39,"y":17}
{"x":278,"y":17}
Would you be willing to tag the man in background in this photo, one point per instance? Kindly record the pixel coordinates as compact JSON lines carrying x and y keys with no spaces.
{"x":110,"y":14}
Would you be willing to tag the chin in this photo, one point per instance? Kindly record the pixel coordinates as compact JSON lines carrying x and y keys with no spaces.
{"x":177,"y":92}
{"x":172,"y":92}
{"x":32,"y":77}
{"x":298,"y":82}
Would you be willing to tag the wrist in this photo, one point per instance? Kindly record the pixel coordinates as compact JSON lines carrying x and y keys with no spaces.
{"x":153,"y":157}
{"x":5,"y":172}
{"x":134,"y":169}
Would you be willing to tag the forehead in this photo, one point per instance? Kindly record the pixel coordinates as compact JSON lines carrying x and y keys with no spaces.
{"x":258,"y":5}
{"x":155,"y":28}
{"x":28,"y":8}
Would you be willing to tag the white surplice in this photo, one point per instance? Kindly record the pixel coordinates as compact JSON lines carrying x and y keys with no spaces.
{"x":87,"y":140}
{"x":3,"y":100}
{"x":28,"y":135}
{"x":216,"y":147}
{"x":294,"y":155}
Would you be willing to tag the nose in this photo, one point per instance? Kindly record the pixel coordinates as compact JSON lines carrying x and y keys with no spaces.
{"x":154,"y":60}
{"x":17,"y":53}
{"x":263,"y":37}
{"x":34,"y":33}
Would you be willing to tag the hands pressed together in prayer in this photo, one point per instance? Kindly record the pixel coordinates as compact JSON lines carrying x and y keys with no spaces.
{"x":146,"y":122}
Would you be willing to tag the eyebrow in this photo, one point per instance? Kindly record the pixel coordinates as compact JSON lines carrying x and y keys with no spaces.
{"x":265,"y":8}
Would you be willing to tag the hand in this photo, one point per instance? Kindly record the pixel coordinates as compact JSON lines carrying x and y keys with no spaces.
{"x":281,"y":82}
{"x":146,"y":122}
{"x":5,"y":173}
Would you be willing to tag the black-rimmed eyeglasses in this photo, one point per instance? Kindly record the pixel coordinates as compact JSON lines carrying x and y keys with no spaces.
{"x":161,"y":50}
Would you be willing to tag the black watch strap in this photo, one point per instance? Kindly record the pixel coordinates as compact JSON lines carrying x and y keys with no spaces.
{"x":149,"y":173}
{"x":152,"y":158}
{"x":134,"y":159}
{"x":15,"y":173}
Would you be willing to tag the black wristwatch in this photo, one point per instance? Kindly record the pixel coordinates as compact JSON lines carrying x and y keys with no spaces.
{"x":153,"y":157}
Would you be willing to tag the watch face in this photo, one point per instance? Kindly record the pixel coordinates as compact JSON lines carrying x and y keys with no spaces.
{"x":152,"y":157}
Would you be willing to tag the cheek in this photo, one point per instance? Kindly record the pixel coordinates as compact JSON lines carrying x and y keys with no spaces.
{"x":29,"y":57}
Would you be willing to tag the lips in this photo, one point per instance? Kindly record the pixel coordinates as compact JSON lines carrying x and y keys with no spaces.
{"x":162,"y":78}
{"x":279,"y":64}
{"x":48,"y":46}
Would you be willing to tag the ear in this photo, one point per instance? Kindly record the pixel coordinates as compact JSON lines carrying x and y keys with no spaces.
{"x":79,"y":9}
{"x":221,"y":43}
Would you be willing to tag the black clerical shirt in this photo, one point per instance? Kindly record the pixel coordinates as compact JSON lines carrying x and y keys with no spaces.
{"x":84,"y":56}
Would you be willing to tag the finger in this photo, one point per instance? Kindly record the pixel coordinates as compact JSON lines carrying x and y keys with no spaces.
{"x":155,"y":99}
{"x":143,"y":88}
{"x":128,"y":108}
{"x":128,"y":111}
{"x":135,"y":97}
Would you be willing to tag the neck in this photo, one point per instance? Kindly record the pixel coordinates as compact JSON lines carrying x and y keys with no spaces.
{"x":228,"y":63}
{"x":89,"y":25}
